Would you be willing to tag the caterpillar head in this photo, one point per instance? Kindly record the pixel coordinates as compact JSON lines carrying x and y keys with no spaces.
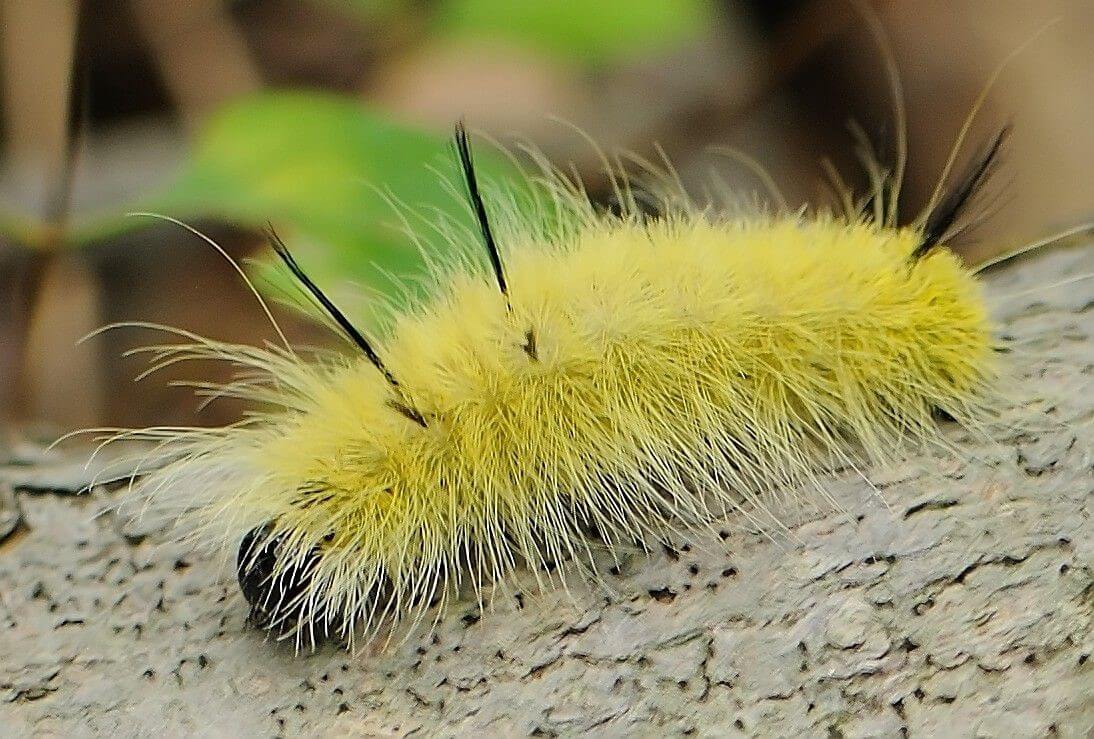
{"x":278,"y":596}
{"x":285,"y":591}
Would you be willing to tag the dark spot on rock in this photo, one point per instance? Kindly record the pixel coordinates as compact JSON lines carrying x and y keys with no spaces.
{"x":930,"y":505}
{"x":664,"y":595}
{"x":922,"y":607}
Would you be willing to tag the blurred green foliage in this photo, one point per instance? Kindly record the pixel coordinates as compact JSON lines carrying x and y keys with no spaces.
{"x":373,"y":11}
{"x":582,"y":31}
{"x":312,"y":163}
{"x":318,"y":164}
{"x":587,"y":32}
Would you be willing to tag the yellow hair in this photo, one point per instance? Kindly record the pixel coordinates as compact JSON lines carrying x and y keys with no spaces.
{"x":639,"y":378}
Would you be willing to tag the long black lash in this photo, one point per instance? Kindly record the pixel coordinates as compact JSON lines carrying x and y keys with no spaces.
{"x":332,"y":310}
{"x":344,"y":323}
{"x":467,"y":166}
{"x":945,"y":214}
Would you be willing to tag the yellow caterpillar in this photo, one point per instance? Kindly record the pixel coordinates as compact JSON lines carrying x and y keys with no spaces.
{"x":615,"y":378}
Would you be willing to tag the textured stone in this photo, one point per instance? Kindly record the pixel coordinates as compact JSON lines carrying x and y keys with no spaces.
{"x":957,"y":599}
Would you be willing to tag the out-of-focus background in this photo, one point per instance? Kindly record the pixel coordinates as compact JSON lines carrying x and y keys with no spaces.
{"x":231,"y":113}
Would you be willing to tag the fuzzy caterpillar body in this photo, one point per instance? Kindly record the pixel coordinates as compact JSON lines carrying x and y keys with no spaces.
{"x":635,"y":378}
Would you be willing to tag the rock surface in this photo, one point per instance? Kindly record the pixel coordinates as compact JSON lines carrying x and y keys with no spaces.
{"x":957,"y":600}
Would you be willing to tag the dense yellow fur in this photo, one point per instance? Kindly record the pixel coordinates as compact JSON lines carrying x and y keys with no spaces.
{"x":682,"y":367}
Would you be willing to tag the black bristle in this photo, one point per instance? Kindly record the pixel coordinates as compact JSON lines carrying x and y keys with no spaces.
{"x":529,"y":345}
{"x":343,"y":322}
{"x":942,"y":218}
{"x":332,"y":310}
{"x":467,"y":165}
{"x":411,"y":413}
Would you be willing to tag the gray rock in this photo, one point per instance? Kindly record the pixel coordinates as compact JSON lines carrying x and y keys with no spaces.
{"x":956,"y":601}
{"x":10,"y":515}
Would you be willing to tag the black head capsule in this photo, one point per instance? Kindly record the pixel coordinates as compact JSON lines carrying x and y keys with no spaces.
{"x":278,"y":600}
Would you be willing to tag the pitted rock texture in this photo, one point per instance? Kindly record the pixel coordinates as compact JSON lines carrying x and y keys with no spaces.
{"x":952,"y":596}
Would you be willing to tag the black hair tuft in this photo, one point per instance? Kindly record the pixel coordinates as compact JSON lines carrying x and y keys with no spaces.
{"x":945,"y":214}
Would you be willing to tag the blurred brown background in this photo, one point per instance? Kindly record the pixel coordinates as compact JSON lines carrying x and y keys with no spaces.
{"x":102,"y":99}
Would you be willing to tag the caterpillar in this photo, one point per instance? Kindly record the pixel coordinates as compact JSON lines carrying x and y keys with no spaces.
{"x":579,"y":379}
{"x":609,"y":378}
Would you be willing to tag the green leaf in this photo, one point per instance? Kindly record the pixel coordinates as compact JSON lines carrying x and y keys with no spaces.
{"x":587,"y":31}
{"x":370,"y":10}
{"x":19,"y":227}
{"x":311,"y":164}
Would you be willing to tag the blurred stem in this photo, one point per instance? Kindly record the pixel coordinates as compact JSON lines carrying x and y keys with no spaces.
{"x":201,"y":56}
{"x":37,"y":55}
{"x":20,"y":276}
{"x":37,"y":44}
{"x":64,"y":378}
